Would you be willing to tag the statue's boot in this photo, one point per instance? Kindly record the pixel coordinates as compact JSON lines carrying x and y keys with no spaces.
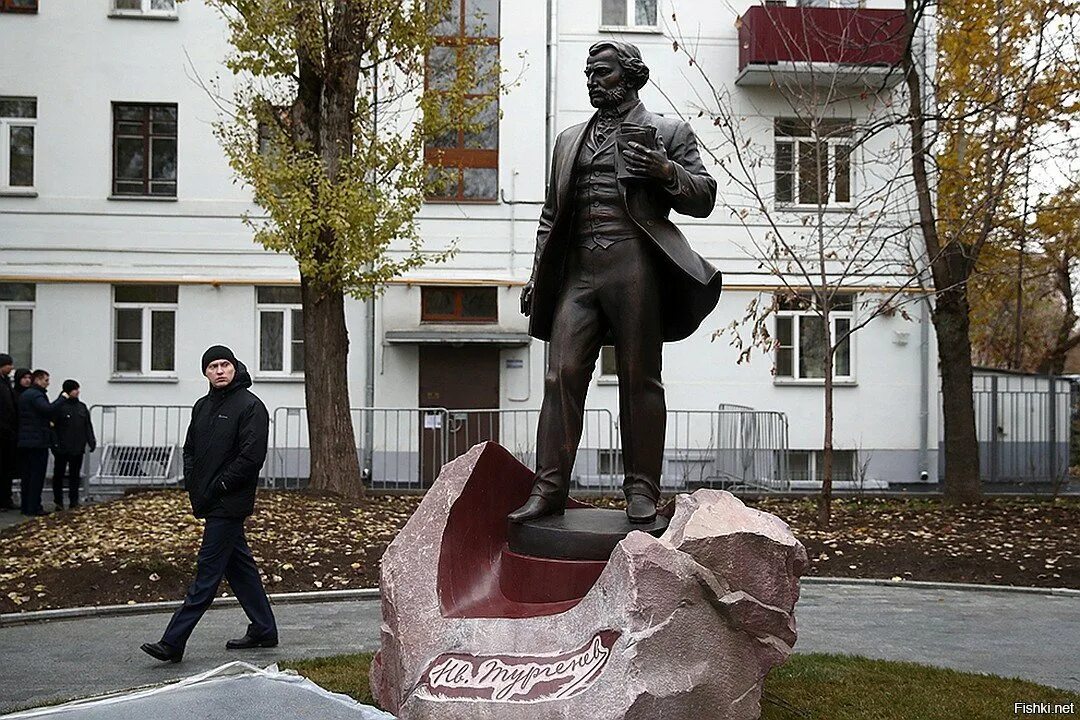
{"x":537,"y":506}
{"x":640,"y":509}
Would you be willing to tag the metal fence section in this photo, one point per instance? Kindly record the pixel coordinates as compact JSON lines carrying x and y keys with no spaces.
{"x":733,"y":447}
{"x":412,"y":444}
{"x":138,"y":446}
{"x":1024,"y":426}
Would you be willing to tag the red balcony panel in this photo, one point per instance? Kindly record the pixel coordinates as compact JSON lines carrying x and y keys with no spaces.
{"x":774,"y":34}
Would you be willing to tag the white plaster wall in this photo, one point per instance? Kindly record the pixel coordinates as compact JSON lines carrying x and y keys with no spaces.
{"x":76,"y":60}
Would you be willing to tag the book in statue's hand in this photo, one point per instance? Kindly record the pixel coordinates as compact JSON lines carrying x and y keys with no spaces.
{"x":644,"y":135}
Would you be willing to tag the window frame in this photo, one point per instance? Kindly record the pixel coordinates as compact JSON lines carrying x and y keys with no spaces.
{"x":288,"y":338}
{"x":795,"y":143}
{"x":460,"y":158}
{"x":6,"y":306}
{"x":148,"y":163}
{"x":6,"y":125}
{"x":631,"y":14}
{"x":146,"y":340}
{"x":794,"y":316}
{"x":607,"y":353}
{"x":9,"y":6}
{"x":145,"y":11}
{"x":815,"y":464}
{"x":458,"y":316}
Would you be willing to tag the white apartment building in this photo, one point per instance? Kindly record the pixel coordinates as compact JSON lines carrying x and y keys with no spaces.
{"x":123,"y":254}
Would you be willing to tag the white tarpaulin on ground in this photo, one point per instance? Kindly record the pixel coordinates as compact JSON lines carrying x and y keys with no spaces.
{"x":237,"y":691}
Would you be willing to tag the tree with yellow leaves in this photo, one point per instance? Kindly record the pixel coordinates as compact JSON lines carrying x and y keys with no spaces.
{"x":328,"y":126}
{"x":1003,"y":75}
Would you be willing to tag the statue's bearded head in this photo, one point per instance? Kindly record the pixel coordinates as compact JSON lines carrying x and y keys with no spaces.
{"x":614,"y":72}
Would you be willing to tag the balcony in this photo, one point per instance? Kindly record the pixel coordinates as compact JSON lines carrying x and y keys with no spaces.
{"x":848,"y":47}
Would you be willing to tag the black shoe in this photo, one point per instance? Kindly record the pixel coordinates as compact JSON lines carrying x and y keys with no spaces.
{"x":537,"y":506}
{"x":640,"y":509}
{"x":247,"y":642}
{"x":161,"y":651}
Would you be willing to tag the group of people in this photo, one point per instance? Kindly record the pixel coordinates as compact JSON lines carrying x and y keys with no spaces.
{"x":224,"y":450}
{"x":30,"y":426}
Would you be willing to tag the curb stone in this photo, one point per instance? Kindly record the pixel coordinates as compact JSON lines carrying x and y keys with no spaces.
{"x":316,"y":596}
{"x":368,"y":594}
{"x":931,"y":585}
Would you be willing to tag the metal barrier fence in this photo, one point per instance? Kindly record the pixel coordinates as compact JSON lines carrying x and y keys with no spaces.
{"x":1024,"y":428}
{"x":733,"y":447}
{"x":138,"y":446}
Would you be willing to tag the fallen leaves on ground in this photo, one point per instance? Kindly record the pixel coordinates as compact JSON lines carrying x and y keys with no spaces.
{"x":142,"y":547}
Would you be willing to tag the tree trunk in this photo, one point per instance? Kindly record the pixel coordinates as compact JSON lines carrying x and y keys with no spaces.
{"x":323,"y":119}
{"x":952,"y":324}
{"x":334,"y":464}
{"x":950,"y":269}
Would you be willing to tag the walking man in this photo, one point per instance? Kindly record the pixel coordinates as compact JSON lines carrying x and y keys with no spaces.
{"x":74,"y":434}
{"x":610,"y":266}
{"x":35,"y":438}
{"x":223,"y":453}
{"x":9,"y":423}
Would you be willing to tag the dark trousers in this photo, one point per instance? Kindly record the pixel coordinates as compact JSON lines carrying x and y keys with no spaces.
{"x":612,"y":289}
{"x":224,"y":553}
{"x":33,"y":462}
{"x":8,"y":466}
{"x":66,"y":466}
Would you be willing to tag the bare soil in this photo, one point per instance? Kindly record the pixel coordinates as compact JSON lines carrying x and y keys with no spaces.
{"x":142,"y":547}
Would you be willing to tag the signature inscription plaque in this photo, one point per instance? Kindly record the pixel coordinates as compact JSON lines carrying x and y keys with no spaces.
{"x":517,"y":678}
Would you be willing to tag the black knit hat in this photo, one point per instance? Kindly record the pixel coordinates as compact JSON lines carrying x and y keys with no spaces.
{"x":217,"y":352}
{"x":70,"y":385}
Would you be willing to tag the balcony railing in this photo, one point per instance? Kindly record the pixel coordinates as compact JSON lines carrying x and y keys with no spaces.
{"x":852,"y":42}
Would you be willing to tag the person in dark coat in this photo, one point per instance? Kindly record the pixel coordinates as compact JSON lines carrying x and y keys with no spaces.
{"x":24,"y":377}
{"x":34,"y":439}
{"x":611,"y":267}
{"x":223,"y":454}
{"x":74,"y":433}
{"x":9,"y":425}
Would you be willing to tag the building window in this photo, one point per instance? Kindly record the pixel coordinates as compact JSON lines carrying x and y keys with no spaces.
{"x":144,"y":8}
{"x":19,"y":6}
{"x":18,"y":116}
{"x":813,"y":168}
{"x":144,"y":150}
{"x":800,"y":338}
{"x":831,"y":3}
{"x":628,"y":13}
{"x":17,"y":321}
{"x":281,"y":330}
{"x":144,"y":329}
{"x":465,"y":161}
{"x":459,"y":304}
{"x":809,"y":465}
{"x":609,"y":367}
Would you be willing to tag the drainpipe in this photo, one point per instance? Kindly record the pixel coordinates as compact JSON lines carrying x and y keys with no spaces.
{"x":552,"y":82}
{"x":924,"y":386}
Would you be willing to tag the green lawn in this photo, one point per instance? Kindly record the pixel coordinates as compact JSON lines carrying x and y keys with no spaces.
{"x":825,"y":687}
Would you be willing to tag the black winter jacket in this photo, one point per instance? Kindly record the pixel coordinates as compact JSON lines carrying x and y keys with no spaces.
{"x":74,"y":432}
{"x":225,"y":449}
{"x":9,"y":415}
{"x":35,"y":416}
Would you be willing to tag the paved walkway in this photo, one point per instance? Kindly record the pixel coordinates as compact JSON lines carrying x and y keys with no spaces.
{"x":1030,"y":636}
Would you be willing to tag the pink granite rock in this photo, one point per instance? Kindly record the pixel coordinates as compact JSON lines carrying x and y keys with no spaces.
{"x":682,"y":627}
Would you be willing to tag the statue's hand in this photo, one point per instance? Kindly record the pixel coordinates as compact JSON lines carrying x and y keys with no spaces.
{"x":644,"y":162}
{"x":526,"y":299}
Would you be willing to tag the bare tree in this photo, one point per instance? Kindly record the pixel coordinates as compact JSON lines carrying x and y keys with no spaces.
{"x":824,"y":198}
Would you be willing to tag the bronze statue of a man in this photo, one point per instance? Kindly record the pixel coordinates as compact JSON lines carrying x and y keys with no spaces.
{"x":609,"y":264}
